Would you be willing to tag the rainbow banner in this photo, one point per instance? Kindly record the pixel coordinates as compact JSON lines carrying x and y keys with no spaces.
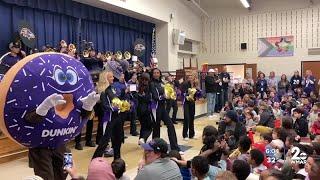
{"x":275,"y":46}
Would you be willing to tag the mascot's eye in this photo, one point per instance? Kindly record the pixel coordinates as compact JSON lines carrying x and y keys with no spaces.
{"x":60,"y":77}
{"x":72,"y":77}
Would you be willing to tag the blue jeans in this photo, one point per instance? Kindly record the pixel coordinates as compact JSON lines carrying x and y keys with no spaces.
{"x":211,"y":103}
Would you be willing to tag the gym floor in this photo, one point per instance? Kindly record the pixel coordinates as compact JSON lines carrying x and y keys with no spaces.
{"x":130,"y":152}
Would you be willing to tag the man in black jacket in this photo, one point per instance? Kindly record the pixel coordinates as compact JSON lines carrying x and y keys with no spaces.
{"x":219,"y":103}
{"x":211,"y":83}
{"x":225,"y":79}
{"x":301,"y":124}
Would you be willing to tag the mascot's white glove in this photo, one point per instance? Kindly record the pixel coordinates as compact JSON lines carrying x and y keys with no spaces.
{"x":90,"y":101}
{"x":50,"y":102}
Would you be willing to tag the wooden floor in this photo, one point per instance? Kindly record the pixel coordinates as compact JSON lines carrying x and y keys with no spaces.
{"x":131,"y":153}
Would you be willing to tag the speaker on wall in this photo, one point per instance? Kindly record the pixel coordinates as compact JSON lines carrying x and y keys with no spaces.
{"x":243,"y":46}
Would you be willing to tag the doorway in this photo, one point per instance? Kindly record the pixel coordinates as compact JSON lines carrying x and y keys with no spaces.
{"x":314,"y":66}
{"x":238,"y":70}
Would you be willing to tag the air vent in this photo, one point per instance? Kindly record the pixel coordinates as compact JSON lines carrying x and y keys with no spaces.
{"x":314,"y":51}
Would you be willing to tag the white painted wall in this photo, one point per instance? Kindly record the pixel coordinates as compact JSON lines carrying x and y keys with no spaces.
{"x":158,"y":11}
{"x":224,"y":34}
{"x":258,"y":6}
{"x":185,"y":18}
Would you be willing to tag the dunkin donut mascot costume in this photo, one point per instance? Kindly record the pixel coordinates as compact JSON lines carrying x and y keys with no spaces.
{"x":45,"y":100}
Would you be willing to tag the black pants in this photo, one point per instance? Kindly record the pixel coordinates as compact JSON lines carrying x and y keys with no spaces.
{"x":114,"y":130}
{"x":89,"y":129}
{"x":188,"y":123}
{"x":162,"y":114}
{"x":219,"y":104}
{"x":147,"y":122}
{"x":172,"y":104}
{"x":48,"y":163}
{"x":133,"y":118}
{"x":98,"y":110}
{"x":99,"y":130}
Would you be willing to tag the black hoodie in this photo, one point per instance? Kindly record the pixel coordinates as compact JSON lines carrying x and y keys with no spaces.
{"x":301,"y":126}
{"x":295,"y":82}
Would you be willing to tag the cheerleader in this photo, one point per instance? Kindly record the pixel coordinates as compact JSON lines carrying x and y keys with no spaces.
{"x":172,"y":102}
{"x":159,"y":111}
{"x":122,"y":92}
{"x":101,"y":87}
{"x":189,"y":90}
{"x":143,"y":109}
{"x":112,"y":125}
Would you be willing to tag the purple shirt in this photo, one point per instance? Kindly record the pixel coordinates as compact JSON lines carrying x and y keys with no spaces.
{"x":10,"y":60}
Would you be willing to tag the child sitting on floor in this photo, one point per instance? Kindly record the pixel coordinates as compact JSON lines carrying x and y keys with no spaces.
{"x":250,"y":123}
{"x":276,"y":110}
{"x":200,"y":168}
{"x":185,"y":172}
{"x":277,"y":143}
{"x":313,"y":115}
{"x":263,"y":145}
{"x":315,"y":127}
{"x":119,"y":168}
{"x":230,"y":139}
{"x":243,"y":147}
{"x":256,"y":159}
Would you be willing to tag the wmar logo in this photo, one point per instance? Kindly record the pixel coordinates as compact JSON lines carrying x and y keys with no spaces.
{"x":298,"y":156}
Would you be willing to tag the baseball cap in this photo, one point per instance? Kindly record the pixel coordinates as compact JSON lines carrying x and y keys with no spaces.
{"x":16,"y":44}
{"x":211,"y":70}
{"x":156,"y":145}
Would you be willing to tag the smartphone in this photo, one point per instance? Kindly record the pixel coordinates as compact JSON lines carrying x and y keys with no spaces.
{"x":67,"y":160}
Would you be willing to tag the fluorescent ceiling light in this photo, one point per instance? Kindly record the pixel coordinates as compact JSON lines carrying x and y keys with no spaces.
{"x":245,"y":3}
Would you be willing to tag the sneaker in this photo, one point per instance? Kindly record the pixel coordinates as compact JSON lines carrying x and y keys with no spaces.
{"x":90,"y":144}
{"x":135,"y":134}
{"x":181,"y":152}
{"x":108,"y":152}
{"x":141,"y":141}
{"x":186,"y":139}
{"x":211,"y":116}
{"x":78,"y":146}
